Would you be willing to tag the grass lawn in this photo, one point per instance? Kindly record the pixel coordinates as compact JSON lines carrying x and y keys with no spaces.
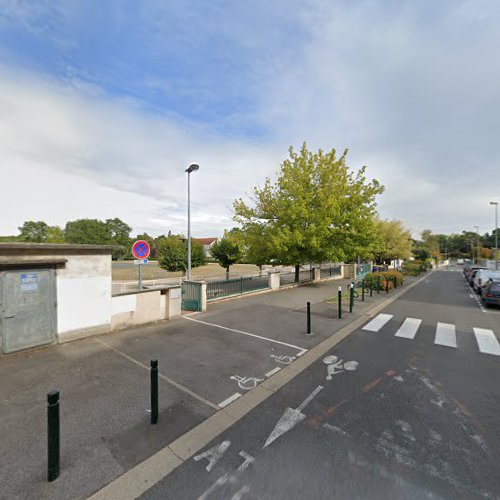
{"x":127,"y":271}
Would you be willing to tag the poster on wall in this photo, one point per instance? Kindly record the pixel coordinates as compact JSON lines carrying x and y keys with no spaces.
{"x":29,"y":282}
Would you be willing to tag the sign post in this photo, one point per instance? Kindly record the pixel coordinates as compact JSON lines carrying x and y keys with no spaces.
{"x":141,"y":250}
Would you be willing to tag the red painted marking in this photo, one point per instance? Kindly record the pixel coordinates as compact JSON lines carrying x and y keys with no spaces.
{"x":371,"y":385}
{"x":316,"y":421}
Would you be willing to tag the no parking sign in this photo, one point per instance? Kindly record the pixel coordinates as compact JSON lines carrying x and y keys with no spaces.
{"x":140,"y":249}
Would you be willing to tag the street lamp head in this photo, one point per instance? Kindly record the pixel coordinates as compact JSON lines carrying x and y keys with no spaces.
{"x":493,"y":202}
{"x":192,"y":168}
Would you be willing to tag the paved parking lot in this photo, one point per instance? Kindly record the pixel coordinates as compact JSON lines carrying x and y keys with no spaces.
{"x":206,"y":361}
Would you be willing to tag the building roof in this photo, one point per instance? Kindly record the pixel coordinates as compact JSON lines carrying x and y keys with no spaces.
{"x":9,"y":249}
{"x":206,"y":241}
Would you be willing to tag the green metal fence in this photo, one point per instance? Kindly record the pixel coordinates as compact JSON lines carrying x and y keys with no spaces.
{"x":224,"y":288}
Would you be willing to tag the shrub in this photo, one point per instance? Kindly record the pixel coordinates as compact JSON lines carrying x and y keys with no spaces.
{"x":372,"y":279}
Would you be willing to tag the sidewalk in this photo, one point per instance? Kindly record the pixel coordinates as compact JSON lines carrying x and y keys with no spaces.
{"x":205,"y":359}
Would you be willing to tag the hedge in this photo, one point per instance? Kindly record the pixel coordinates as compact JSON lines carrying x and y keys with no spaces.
{"x":371,"y":279}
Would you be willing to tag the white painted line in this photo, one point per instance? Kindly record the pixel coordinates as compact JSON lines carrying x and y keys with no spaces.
{"x":445,"y":335}
{"x":272,"y":372}
{"x":160,"y":375}
{"x":309,"y":398}
{"x":247,"y":333}
{"x":377,"y":323}
{"x":230,"y":399}
{"x":409,"y":328}
{"x":486,"y":341}
{"x":301,"y":352}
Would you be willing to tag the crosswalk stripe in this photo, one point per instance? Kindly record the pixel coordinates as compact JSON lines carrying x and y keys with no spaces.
{"x":377,"y":323}
{"x":409,"y":328}
{"x":486,"y":341}
{"x":445,"y":335}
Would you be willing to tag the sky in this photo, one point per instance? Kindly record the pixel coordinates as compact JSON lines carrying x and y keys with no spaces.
{"x":103,"y":105}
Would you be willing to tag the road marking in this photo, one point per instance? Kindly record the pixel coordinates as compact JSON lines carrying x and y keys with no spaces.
{"x":163,"y":377}
{"x":377,"y":323}
{"x":409,"y":328}
{"x":301,"y":349}
{"x":290,"y":418}
{"x":445,"y":335}
{"x":214,"y":454}
{"x":486,"y":341}
{"x":230,"y":399}
{"x":272,"y":372}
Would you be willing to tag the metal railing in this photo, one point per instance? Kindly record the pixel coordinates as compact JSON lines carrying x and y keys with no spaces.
{"x":330,"y":271}
{"x":224,"y":288}
{"x":289,"y":278}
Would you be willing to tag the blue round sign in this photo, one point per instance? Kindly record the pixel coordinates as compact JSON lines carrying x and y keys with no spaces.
{"x":140,"y":249}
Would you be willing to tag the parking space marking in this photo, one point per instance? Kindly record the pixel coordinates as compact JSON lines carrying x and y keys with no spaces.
{"x":301,"y":349}
{"x":272,"y":372}
{"x":163,"y":377}
{"x":230,"y":399}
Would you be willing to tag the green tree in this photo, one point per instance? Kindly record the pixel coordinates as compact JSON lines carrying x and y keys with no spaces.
{"x":119,"y":237}
{"x":226,"y":252}
{"x":33,"y":231}
{"x":87,"y":232}
{"x":317,"y":210}
{"x":392,"y":241}
{"x":172,"y":254}
{"x":55,"y":235}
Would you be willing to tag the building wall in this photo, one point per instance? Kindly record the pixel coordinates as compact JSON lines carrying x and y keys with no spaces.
{"x":84,"y":295}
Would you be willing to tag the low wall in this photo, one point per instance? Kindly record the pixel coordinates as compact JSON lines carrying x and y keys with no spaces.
{"x":144,"y":306}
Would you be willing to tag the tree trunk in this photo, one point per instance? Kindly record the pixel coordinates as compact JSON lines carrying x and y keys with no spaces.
{"x":297,"y":271}
{"x":260,"y":270}
{"x":227,"y":273}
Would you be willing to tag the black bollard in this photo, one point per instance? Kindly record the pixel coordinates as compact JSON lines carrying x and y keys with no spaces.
{"x":386,"y":284}
{"x":53,"y":435}
{"x":362,"y":290}
{"x":308,"y":318}
{"x":340,"y":302}
{"x":351,"y":297}
{"x":378,"y":283}
{"x":154,"y":391}
{"x":371,"y":287}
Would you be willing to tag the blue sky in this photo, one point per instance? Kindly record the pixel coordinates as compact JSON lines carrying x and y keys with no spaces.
{"x":103,"y":104}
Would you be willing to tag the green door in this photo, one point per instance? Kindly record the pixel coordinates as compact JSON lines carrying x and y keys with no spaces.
{"x":191,"y":296}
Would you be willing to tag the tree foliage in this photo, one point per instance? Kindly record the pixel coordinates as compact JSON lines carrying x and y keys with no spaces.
{"x":226,"y":252}
{"x":171,"y":253}
{"x":392,"y":241}
{"x":317,"y":210}
{"x":33,"y":231}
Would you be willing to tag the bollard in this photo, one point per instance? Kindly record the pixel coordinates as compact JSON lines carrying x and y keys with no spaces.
{"x":378,"y":283}
{"x":386,"y":284}
{"x":308,"y":318}
{"x":154,"y":391}
{"x":351,"y":298}
{"x":371,"y":287}
{"x":362,"y":290}
{"x":53,"y":435}
{"x":340,"y":302}
{"x":395,"y":282}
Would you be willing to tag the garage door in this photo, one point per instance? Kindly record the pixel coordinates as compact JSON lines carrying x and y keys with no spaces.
{"x":27,"y":309}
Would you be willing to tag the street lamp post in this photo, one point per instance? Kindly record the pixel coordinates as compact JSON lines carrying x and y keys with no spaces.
{"x":496,"y":232}
{"x":192,"y":168}
{"x":477,"y":243}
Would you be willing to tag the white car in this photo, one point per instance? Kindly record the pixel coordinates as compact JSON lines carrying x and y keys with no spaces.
{"x":482,"y":276}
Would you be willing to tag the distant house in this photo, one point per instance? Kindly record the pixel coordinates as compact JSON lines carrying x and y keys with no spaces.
{"x":207,"y":244}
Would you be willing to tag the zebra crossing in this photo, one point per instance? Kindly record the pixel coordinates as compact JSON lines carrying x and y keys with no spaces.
{"x":445,"y":334}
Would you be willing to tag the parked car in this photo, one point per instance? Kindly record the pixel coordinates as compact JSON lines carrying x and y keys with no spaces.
{"x":481,"y":277}
{"x":471,"y":272}
{"x":491,"y":293}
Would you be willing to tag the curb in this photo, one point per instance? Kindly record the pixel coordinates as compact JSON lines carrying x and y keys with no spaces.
{"x":145,"y":475}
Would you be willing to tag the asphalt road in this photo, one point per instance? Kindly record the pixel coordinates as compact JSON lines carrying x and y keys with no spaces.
{"x":405,"y":409}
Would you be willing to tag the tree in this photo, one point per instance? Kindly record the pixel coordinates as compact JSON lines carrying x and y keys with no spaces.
{"x":33,"y":231}
{"x":172,"y":254}
{"x":226,"y":252}
{"x":392,"y":241}
{"x":96,"y":232}
{"x":54,"y":235}
{"x":317,"y":210}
